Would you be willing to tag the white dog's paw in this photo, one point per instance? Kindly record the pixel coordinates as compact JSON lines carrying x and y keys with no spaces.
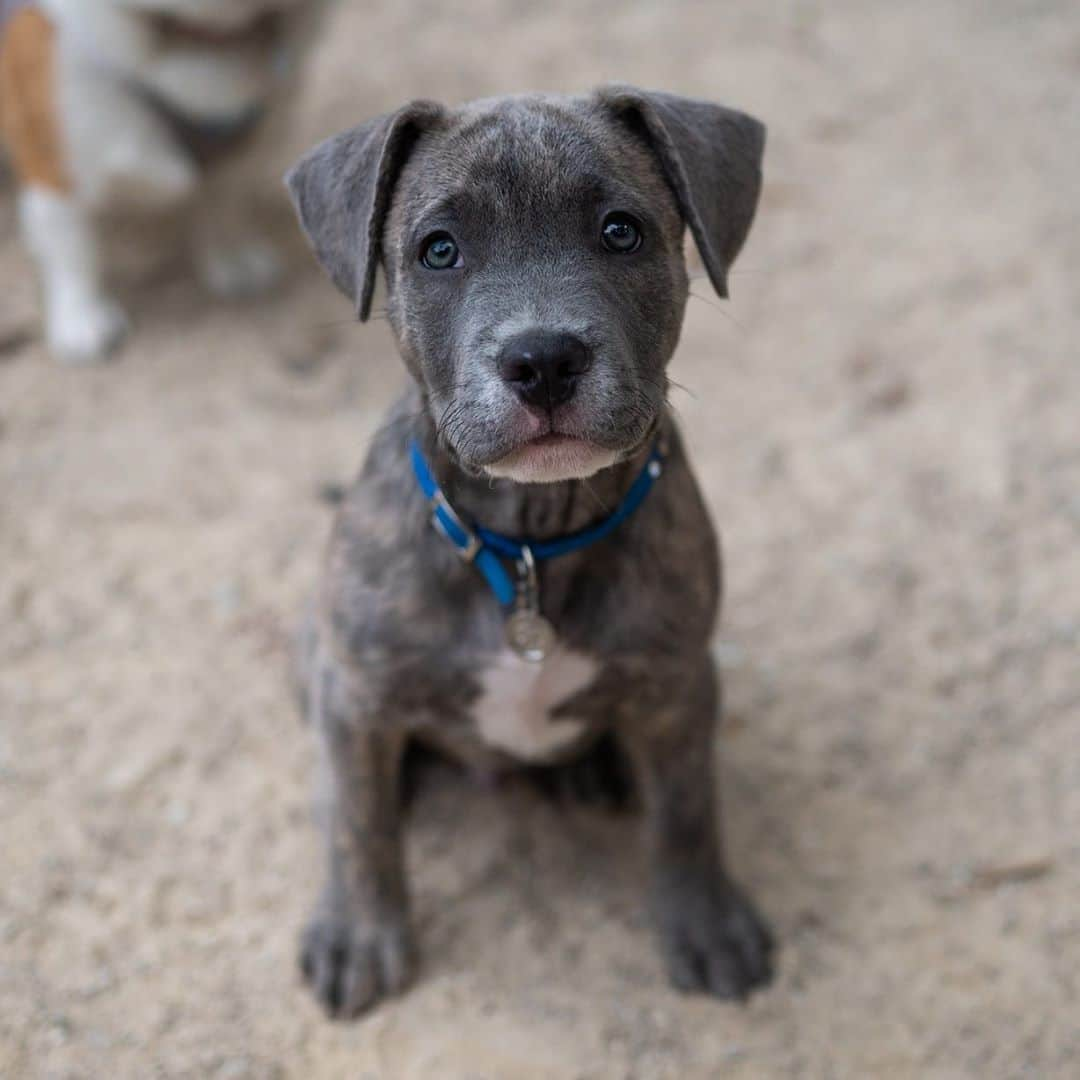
{"x":247,"y":268}
{"x":85,"y":330}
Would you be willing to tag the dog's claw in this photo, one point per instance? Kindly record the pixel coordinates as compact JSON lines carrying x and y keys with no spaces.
{"x":714,"y":941}
{"x":351,"y":966}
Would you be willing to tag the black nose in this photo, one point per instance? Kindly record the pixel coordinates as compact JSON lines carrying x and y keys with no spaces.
{"x":543,"y":366}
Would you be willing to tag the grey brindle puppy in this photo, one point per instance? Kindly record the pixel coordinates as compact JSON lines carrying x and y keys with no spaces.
{"x":533,"y":250}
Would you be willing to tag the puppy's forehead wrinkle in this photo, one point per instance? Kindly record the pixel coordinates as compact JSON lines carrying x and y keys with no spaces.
{"x":509,"y":156}
{"x":549,"y":116}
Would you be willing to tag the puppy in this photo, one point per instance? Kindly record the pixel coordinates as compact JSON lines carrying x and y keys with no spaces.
{"x":131,"y":105}
{"x":525,"y":565}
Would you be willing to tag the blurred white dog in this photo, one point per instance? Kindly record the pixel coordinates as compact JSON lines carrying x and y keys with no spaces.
{"x":137,"y":105}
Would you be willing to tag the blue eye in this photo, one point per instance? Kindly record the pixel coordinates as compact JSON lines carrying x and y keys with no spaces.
{"x":620,"y":233}
{"x":441,"y":252}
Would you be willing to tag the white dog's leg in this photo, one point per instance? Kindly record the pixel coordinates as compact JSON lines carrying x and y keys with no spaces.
{"x":82,"y":324}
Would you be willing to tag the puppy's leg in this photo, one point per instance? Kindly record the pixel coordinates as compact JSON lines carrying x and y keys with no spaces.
{"x":711,"y":937}
{"x":357,"y":947}
{"x":81,"y":323}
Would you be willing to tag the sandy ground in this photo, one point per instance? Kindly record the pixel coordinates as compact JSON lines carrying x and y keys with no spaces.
{"x":885,"y":420}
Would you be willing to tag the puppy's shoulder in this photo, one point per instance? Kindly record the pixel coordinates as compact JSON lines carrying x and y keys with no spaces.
{"x":384,"y":569}
{"x":379,"y":512}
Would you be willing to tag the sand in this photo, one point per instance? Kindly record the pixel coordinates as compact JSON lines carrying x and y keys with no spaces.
{"x":885,"y":421}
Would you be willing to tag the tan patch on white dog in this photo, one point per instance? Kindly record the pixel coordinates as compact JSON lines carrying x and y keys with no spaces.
{"x":514,"y":710}
{"x":28,"y":120}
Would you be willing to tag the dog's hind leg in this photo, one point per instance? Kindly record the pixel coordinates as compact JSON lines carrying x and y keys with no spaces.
{"x":232,"y":260}
{"x":233,"y":256}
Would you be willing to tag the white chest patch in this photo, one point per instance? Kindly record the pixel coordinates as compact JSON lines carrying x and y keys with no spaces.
{"x":513,"y":712}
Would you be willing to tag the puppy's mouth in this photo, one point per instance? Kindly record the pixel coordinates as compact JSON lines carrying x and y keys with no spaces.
{"x":552,"y":457}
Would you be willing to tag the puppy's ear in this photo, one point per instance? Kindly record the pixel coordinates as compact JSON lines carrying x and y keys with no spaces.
{"x":711,"y":157}
{"x":341,"y":191}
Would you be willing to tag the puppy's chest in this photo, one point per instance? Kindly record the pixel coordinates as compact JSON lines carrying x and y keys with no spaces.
{"x":515,"y":710}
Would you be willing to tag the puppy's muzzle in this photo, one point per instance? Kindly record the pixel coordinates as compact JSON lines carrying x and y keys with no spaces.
{"x":543,"y":367}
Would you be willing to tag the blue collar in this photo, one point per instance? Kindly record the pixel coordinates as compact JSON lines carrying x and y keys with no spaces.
{"x":485,"y":548}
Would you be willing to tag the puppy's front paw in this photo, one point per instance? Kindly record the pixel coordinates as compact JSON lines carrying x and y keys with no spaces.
{"x":244,"y":269}
{"x":351,"y":965}
{"x":713,"y":940}
{"x":85,"y":330}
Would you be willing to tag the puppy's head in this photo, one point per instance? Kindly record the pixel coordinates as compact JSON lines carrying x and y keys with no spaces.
{"x":533,"y":255}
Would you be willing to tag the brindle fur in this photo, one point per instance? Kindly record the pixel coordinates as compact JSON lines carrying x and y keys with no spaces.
{"x":403,"y":629}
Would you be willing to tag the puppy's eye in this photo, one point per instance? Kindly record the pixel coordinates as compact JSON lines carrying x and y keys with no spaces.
{"x":441,"y":252}
{"x":620,"y":233}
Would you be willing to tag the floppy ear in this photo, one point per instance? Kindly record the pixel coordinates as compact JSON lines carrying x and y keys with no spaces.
{"x":711,"y":157}
{"x":341,"y":191}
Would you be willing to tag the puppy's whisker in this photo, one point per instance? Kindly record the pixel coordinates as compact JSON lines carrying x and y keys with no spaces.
{"x":661,"y":384}
{"x":377,"y":316}
{"x":709,"y":303}
{"x":680,"y":386}
{"x":591,"y":491}
{"x":740,"y":271}
{"x":445,"y":427}
{"x":331,"y":323}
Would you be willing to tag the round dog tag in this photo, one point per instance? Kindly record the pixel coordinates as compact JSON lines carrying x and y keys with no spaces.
{"x":530,"y":635}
